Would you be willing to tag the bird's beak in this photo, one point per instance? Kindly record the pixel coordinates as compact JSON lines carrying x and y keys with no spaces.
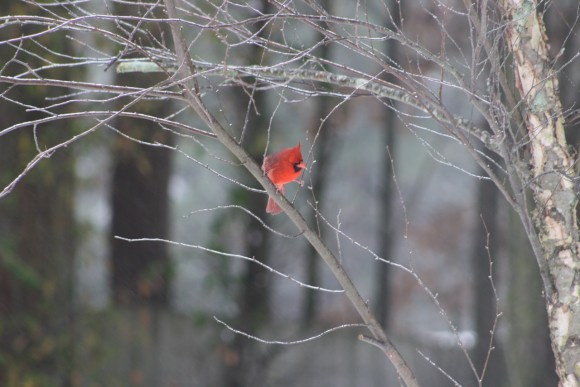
{"x":302,"y":165}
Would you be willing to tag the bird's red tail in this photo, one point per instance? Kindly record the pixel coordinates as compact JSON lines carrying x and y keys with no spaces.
{"x":272,"y":207}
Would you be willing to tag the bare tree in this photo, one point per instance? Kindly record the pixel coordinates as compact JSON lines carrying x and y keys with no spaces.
{"x":493,"y":54}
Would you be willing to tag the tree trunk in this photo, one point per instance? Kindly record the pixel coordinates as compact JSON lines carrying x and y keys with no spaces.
{"x":530,"y":361}
{"x":140,"y":195}
{"x":141,"y":272}
{"x":319,"y":182}
{"x":37,"y":229}
{"x":140,"y":207}
{"x":556,"y":242}
{"x":386,"y":180}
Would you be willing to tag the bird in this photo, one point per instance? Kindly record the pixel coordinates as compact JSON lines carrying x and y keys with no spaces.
{"x":282,"y":168}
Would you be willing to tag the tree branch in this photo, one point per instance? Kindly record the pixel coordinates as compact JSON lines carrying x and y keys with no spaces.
{"x":187,"y":70}
{"x":374,"y":86}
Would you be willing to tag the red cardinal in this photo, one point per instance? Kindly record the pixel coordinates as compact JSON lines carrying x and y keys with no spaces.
{"x":282,"y":168}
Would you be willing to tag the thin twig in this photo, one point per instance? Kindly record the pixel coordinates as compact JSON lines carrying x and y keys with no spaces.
{"x":498,"y":313}
{"x":446,"y":374}
{"x":293,"y":342}
{"x":230,"y":255}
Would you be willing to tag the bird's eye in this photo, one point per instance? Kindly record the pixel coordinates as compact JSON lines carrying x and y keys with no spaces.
{"x":297,"y":166}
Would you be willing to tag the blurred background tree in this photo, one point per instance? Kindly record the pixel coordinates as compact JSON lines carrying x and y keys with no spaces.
{"x":37,"y":227}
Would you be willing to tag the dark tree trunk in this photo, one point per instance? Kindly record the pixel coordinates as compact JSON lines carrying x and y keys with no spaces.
{"x":140,"y":193}
{"x":319,"y":183}
{"x":385,"y":238}
{"x":530,"y":360}
{"x":318,"y":173}
{"x":140,"y":208}
{"x":37,"y":234}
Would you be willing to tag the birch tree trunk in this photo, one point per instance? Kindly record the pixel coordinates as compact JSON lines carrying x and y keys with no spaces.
{"x":553,"y":191}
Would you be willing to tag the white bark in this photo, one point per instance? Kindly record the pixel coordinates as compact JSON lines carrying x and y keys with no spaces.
{"x":552,"y":190}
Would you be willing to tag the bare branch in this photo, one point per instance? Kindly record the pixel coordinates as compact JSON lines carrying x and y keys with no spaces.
{"x":294,"y":342}
{"x":230,"y":255}
{"x":498,"y":313}
{"x":438,"y":368}
{"x":373,"y":85}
